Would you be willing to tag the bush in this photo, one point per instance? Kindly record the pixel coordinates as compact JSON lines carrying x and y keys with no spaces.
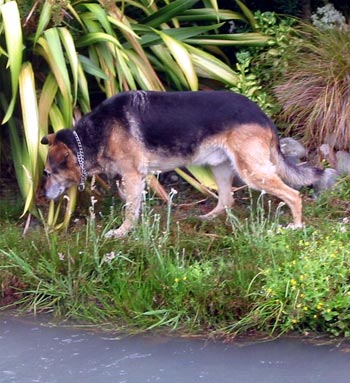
{"x":259,"y":67}
{"x":314,"y":89}
{"x":309,"y":289}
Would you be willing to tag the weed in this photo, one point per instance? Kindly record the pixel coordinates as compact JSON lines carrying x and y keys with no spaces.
{"x":224,"y":276}
{"x":309,"y":289}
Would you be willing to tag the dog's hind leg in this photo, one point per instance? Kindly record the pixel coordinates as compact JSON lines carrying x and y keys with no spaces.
{"x":133,"y":186}
{"x":250,"y":148}
{"x":261,"y":175}
{"x":275,"y":186}
{"x":223,"y":174}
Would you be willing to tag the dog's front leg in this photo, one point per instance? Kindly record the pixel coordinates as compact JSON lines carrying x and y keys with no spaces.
{"x":133,"y":186}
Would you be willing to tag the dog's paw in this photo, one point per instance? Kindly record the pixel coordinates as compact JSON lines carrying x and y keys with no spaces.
{"x":294,"y":226}
{"x":206,"y":217}
{"x":213,"y":214}
{"x":116,"y":234}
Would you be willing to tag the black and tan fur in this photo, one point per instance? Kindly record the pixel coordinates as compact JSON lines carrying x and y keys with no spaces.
{"x":136,"y":133}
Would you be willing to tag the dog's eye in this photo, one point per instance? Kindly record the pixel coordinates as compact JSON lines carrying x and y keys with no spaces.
{"x":46,"y":173}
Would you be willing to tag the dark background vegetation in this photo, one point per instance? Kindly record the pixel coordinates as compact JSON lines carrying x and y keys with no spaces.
{"x":299,"y":8}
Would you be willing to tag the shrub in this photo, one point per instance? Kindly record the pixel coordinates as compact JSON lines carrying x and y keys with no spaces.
{"x":314,"y":89}
{"x":309,"y":289}
{"x":258,"y":67}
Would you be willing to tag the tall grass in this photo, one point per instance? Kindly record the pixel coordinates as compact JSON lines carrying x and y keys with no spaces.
{"x":225,"y":277}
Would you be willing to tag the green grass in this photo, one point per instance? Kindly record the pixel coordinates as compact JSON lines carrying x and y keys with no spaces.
{"x":222,"y":277}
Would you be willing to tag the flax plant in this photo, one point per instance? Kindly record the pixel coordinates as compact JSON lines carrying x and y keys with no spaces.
{"x":80,"y":48}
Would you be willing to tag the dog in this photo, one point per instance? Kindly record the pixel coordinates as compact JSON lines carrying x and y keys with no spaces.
{"x":133,"y":134}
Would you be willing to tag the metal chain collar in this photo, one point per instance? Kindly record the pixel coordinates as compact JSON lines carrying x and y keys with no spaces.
{"x":81,"y":162}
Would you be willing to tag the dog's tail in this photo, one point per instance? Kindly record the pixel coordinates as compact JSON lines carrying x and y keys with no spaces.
{"x":295,"y":175}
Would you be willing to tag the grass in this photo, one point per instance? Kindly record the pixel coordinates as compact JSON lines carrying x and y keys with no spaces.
{"x":224,"y":277}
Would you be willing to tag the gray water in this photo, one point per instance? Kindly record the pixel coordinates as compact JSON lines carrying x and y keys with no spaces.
{"x":35,"y":352}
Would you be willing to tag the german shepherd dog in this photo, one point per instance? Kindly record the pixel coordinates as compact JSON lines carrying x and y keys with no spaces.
{"x":136,"y":133}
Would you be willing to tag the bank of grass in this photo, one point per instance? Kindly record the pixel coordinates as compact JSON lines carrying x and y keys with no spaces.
{"x":224,"y":277}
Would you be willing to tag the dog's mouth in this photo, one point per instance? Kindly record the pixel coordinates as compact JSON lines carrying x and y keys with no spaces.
{"x":54,"y":191}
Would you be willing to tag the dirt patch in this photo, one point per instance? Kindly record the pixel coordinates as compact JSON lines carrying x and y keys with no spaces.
{"x":11,"y":291}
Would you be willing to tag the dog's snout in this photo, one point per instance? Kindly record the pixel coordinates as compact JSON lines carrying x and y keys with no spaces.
{"x":47,"y":173}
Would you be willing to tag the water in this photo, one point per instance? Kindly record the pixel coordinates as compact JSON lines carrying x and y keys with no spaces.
{"x":35,"y":352}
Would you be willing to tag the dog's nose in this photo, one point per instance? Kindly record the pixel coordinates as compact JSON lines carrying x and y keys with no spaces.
{"x":47,"y":173}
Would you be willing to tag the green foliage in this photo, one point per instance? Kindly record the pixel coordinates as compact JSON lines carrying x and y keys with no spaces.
{"x":153,"y":280}
{"x":259,"y":67}
{"x":250,"y":273}
{"x":281,"y":30}
{"x":309,"y":289}
{"x":249,"y":84}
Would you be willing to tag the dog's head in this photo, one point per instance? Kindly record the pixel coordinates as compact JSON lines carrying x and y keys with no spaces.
{"x":61,"y":169}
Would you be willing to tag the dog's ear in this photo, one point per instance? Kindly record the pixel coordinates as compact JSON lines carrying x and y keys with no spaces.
{"x":48,"y":140}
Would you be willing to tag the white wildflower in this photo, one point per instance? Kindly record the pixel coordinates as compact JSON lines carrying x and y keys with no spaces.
{"x":110,"y":256}
{"x":343,"y":229}
{"x":328,"y":17}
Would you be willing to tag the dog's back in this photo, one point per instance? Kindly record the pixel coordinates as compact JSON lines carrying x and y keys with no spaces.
{"x":175,"y":121}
